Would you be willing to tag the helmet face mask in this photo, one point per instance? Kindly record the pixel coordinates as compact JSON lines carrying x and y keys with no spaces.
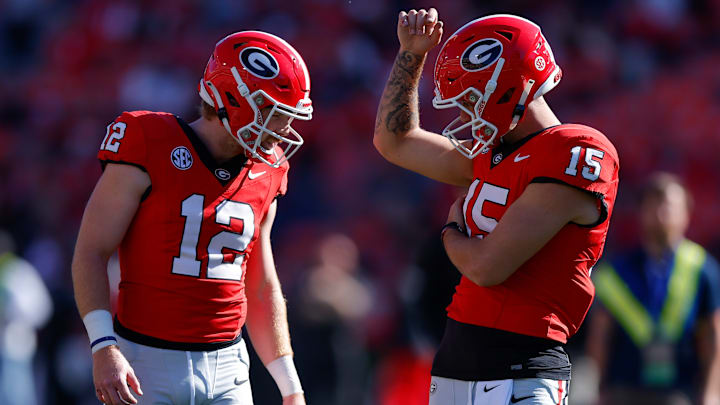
{"x":491,"y":69}
{"x":483,"y":132}
{"x":254,"y":70}
{"x":252,"y":135}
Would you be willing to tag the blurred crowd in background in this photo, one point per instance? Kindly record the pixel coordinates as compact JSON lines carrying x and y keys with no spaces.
{"x":355,"y":240}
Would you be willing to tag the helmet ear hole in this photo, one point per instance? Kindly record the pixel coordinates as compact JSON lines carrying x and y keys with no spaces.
{"x":231,"y":99}
{"x":506,"y":97}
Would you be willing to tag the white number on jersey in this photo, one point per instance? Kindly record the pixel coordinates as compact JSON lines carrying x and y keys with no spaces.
{"x":488,"y":192}
{"x":590,"y":163}
{"x":224,"y":213}
{"x":114,"y":133}
{"x":187,"y":263}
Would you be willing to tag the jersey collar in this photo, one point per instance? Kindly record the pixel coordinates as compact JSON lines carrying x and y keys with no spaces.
{"x":223,"y":172}
{"x":504,"y":150}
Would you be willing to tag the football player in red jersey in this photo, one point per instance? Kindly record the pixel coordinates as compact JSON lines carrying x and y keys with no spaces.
{"x":191,"y":207}
{"x":533,"y":222}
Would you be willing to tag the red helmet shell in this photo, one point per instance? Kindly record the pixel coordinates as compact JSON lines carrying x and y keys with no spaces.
{"x":269,"y":72}
{"x":469,"y":59}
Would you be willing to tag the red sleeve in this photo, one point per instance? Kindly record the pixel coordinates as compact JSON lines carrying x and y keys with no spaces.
{"x":582,"y":159}
{"x":124,"y":142}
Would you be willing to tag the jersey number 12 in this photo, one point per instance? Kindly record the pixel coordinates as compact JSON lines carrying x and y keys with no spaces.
{"x":186,"y":263}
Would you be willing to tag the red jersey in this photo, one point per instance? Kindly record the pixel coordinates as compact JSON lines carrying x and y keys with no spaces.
{"x":550,"y":294}
{"x":184,"y":255}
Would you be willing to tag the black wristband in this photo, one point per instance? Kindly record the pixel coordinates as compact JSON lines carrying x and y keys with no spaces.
{"x":449,"y":225}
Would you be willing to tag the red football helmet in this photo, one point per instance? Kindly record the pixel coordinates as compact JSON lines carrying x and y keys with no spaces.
{"x":251,"y":70}
{"x":491,"y":69}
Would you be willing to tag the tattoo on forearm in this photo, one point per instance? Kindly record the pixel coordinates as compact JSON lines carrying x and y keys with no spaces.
{"x":398,"y":110}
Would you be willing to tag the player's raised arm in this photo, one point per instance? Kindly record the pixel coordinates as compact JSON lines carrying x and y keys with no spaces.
{"x":267,"y":316}
{"x":398,"y":135}
{"x":108,"y":214}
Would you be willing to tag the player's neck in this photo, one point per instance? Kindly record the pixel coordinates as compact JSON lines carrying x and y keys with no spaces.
{"x":221,"y":145}
{"x":538,"y":116}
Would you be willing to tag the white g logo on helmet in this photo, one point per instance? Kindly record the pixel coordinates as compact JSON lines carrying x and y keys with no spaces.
{"x":481,"y":54}
{"x":259,"y":62}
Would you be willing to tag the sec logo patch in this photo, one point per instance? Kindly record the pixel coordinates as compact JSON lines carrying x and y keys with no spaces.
{"x":181,"y":158}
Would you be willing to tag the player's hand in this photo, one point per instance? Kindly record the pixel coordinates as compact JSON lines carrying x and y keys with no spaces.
{"x":112,"y":375}
{"x":419,"y":31}
{"x":294,"y":399}
{"x":456,"y":214}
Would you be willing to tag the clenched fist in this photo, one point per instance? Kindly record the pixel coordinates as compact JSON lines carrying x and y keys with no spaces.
{"x":419,"y":31}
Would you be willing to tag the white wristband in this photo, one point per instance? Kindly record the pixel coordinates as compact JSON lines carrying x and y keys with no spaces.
{"x":99,"y":326}
{"x":286,"y":377}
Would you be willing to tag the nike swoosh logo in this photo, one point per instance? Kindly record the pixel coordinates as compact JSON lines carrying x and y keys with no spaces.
{"x":515,"y":400}
{"x":519,"y":158}
{"x":486,"y":389}
{"x":254,"y":176}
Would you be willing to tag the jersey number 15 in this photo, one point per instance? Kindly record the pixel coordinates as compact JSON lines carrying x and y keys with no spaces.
{"x":591,"y":170}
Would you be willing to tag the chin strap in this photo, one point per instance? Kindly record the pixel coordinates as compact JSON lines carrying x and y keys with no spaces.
{"x":489,"y":90}
{"x":519,"y":110}
{"x":490,"y":86}
{"x":242,"y":87}
{"x":220,"y":107}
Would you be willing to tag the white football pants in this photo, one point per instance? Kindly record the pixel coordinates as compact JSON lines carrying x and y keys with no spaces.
{"x":176,"y":377}
{"x":522,"y":391}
